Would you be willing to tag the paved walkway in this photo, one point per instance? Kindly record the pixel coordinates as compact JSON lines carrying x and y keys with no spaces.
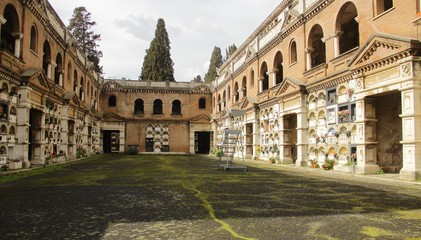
{"x":186,"y":197}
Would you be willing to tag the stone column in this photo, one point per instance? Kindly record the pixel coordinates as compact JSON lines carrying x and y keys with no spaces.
{"x":308,"y":51}
{"x":282,"y":140}
{"x":366,"y":137}
{"x":64,"y":141}
{"x":18,"y":36}
{"x":60,"y":77}
{"x":336,"y":45}
{"x":411,"y":125}
{"x":274,"y":72}
{"x":302,"y":139}
{"x":22,"y":128}
{"x":256,"y":137}
{"x":2,"y":21}
{"x":50,"y":67}
{"x":261,"y":84}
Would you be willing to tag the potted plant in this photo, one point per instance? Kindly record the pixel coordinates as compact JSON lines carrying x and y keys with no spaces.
{"x":329,"y":163}
{"x":15,"y":164}
{"x":272,"y":160}
{"x":314,"y":163}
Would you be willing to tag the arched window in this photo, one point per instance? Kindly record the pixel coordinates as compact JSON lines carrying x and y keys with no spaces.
{"x":244,"y":86}
{"x":252,"y":78}
{"x":34,"y":39}
{"x":293,"y":52}
{"x":157,"y":107}
{"x":69,"y":71}
{"x":9,"y":29}
{"x":112,"y":101}
{"x":264,"y":77}
{"x":202,"y":103}
{"x":82,"y":90}
{"x":58,"y":71}
{"x":75,"y":82}
{"x":236,"y":92}
{"x":176,"y":107}
{"x":279,"y":68}
{"x":219,"y":103}
{"x":228,"y":92}
{"x":347,"y":25}
{"x":224,"y":99}
{"x":46,"y":58}
{"x":318,"y":55}
{"x":138,"y":107}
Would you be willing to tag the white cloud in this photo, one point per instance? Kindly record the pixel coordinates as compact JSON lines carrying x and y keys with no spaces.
{"x":194,"y":28}
{"x":140,"y":26}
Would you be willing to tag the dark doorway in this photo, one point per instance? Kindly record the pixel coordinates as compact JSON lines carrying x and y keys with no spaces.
{"x":149,"y":145}
{"x":389,"y":132}
{"x":202,"y":142}
{"x":111,"y":141}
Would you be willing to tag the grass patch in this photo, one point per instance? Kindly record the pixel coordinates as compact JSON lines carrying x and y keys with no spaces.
{"x":39,"y":171}
{"x":377,"y":232}
{"x":410,"y":215}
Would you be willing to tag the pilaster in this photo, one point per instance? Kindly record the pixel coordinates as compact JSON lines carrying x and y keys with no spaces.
{"x":411,"y":127}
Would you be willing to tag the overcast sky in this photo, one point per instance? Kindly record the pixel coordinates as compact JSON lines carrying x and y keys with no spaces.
{"x":194,"y":27}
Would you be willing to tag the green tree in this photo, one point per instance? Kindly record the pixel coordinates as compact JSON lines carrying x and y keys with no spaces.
{"x":229,"y":51}
{"x":197,"y":79}
{"x":157,"y":65}
{"x":80,"y":26}
{"x":215,"y":62}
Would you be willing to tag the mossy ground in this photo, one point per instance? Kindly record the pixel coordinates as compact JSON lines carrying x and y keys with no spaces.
{"x":187,"y":197}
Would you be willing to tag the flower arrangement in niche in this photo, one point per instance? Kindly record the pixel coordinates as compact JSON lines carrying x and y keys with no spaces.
{"x":343,"y":115}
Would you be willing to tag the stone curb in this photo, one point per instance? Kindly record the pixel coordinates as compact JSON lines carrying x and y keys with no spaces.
{"x":380,"y":179}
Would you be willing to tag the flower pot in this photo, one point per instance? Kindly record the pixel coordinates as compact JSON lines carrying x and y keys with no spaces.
{"x":15,"y":165}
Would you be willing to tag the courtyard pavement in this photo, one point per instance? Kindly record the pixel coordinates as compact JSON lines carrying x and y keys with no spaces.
{"x":187,"y":197}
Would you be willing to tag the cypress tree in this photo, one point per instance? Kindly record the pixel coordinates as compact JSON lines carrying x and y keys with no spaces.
{"x":157,"y":65}
{"x":80,"y":25}
{"x":229,"y":51}
{"x":215,"y":62}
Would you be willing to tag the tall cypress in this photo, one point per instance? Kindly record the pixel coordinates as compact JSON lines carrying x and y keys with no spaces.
{"x":157,"y":65}
{"x":215,"y":62}
{"x":80,"y":25}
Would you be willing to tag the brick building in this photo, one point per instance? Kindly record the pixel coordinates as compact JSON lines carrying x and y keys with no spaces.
{"x":318,"y":80}
{"x":157,"y":117}
{"x":328,"y":79}
{"x":49,"y":94}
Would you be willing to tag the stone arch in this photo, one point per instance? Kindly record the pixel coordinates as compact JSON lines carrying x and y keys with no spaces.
{"x":348,"y":28}
{"x":46,"y":57}
{"x":112,"y":101}
{"x":58,"y":70}
{"x":292,"y":52}
{"x":244,"y":86}
{"x":33,"y":43}
{"x":251,"y":78}
{"x":10,"y":28}
{"x":317,"y":46}
{"x":176,"y":107}
{"x":157,"y":107}
{"x":264,"y":77}
{"x":139,"y":106}
{"x":236,"y":92}
{"x":278,"y":67}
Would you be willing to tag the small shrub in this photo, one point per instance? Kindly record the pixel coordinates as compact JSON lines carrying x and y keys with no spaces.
{"x":81,"y":152}
{"x":218,"y":153}
{"x":314,"y":164}
{"x":328,"y":165}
